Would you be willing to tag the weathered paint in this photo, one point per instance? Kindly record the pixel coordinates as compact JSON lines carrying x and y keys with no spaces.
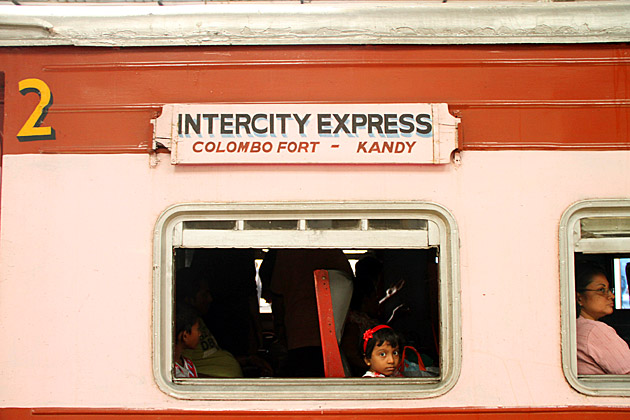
{"x":295,"y":23}
{"x":523,"y":97}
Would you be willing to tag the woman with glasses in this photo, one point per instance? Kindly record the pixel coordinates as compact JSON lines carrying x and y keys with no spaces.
{"x":599,"y":349}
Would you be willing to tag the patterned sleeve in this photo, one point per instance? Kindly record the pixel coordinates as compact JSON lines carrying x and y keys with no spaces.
{"x":609,"y":350}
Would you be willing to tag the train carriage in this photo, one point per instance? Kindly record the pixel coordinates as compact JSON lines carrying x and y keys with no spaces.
{"x":479,"y":151}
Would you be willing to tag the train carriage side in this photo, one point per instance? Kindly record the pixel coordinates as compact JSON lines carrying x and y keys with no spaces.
{"x":100,"y":209}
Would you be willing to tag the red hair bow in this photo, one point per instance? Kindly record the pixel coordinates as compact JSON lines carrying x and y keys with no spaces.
{"x":370,"y":333}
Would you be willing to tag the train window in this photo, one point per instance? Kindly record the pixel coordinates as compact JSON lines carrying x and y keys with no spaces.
{"x":596,"y":234}
{"x":416,"y":245}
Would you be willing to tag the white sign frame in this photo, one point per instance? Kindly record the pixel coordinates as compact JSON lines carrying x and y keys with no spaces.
{"x":403,"y":133}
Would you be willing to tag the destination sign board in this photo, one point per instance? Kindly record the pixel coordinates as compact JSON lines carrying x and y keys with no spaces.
{"x":411,"y":133}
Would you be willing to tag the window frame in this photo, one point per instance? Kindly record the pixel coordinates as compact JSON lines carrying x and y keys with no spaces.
{"x":596,"y":385}
{"x":166,"y":232}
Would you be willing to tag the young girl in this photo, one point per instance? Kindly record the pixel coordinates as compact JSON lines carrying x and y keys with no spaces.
{"x":381,"y":349}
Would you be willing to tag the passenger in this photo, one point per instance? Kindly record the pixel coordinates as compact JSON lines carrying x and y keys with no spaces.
{"x":295,"y":305}
{"x":208,"y":357}
{"x":599,"y":349}
{"x":186,"y":337}
{"x":381,"y":348}
{"x":364,"y":308}
{"x":233,"y":316}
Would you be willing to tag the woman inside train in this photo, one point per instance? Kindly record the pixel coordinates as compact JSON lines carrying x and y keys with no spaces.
{"x":600,"y":350}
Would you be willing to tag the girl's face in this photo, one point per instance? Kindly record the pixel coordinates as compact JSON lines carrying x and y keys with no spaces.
{"x":384,"y":359}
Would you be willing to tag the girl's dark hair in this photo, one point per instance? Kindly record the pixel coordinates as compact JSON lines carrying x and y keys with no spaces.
{"x":185,"y":318}
{"x":381,"y":336}
{"x":584,"y":273}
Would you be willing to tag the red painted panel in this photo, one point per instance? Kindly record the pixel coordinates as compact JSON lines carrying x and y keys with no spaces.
{"x":509,"y":97}
{"x":564,"y":413}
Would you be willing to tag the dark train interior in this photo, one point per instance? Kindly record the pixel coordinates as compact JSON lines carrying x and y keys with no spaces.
{"x":247,"y":314}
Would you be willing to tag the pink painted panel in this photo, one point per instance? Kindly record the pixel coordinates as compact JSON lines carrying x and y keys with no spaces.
{"x":76,"y":265}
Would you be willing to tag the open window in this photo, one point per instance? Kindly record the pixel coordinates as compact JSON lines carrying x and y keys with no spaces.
{"x":416,"y":241}
{"x":595,"y":232}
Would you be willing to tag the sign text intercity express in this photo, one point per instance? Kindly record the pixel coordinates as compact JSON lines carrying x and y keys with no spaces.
{"x":281,"y":124}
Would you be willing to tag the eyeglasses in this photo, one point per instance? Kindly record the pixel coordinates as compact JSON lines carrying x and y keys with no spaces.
{"x":602,"y":291}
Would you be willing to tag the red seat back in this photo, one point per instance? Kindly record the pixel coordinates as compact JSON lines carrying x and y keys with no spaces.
{"x":333,"y":367}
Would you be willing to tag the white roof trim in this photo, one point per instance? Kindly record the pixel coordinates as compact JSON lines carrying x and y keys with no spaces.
{"x":285,"y":23}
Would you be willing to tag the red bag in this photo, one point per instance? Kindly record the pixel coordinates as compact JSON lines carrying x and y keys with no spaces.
{"x":405,"y":364}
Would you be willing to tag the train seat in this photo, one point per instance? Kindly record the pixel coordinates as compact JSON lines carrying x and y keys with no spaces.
{"x":333,"y":292}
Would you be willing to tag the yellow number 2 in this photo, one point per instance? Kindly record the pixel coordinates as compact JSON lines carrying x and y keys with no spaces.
{"x":31,"y":129}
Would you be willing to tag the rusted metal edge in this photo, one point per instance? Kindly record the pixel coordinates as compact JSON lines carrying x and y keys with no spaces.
{"x":320,"y":23}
